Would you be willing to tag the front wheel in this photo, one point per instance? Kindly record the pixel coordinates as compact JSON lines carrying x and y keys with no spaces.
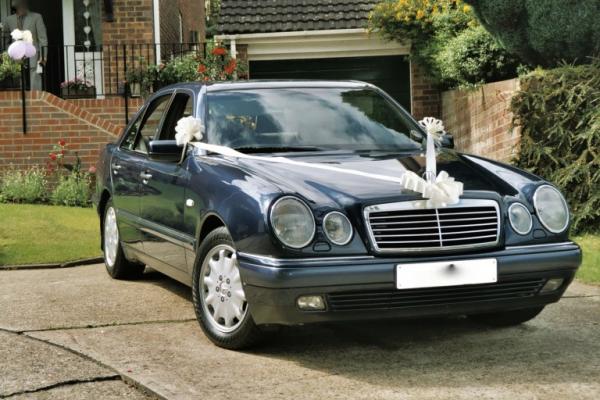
{"x":117,"y":266}
{"x":508,"y":318}
{"x":218,"y":294}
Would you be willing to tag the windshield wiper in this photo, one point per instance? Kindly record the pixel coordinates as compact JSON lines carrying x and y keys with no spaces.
{"x":275,"y":149}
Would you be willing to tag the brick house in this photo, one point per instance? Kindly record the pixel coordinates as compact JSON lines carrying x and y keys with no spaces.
{"x":98,"y":40}
{"x":323,"y":39}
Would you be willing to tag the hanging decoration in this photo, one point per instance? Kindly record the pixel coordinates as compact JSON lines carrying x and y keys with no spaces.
{"x":87,"y":29}
{"x":22,"y":47}
{"x":439,"y":191}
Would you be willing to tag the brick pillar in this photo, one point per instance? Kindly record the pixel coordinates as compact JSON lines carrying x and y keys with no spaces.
{"x":425,"y":95}
{"x":133,"y":24}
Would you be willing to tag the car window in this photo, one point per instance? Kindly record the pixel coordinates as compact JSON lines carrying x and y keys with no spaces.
{"x":181,"y":107}
{"x":129,"y":139}
{"x":326,"y":118}
{"x":151,"y":123}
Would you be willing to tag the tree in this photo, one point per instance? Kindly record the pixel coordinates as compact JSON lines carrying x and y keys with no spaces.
{"x":543,"y":32}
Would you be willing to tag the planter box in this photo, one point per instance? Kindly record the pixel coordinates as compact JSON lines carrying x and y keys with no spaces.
{"x":70,"y":94}
{"x":10,"y":84}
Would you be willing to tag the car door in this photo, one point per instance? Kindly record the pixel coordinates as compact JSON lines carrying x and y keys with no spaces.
{"x":125,"y":173}
{"x":163,"y":194}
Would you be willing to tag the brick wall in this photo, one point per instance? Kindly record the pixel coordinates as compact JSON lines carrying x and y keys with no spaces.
{"x":110,"y":109}
{"x":480,"y":120}
{"x":133,"y":23}
{"x":50,"y":119}
{"x":425,"y":96}
{"x":192,"y":12}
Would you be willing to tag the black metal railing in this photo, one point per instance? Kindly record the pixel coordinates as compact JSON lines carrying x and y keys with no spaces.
{"x":108,"y":70}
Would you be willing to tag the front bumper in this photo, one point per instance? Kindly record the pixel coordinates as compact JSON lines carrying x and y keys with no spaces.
{"x":358,"y":288}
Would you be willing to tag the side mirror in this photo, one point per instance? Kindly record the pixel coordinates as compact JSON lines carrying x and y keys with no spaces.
{"x":447,"y":141}
{"x":165,"y":150}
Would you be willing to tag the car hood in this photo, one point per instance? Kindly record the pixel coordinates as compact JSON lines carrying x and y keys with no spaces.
{"x":332,"y":187}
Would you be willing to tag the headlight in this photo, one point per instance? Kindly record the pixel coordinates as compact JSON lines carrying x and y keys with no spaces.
{"x":293,"y":222}
{"x":337,"y":228}
{"x":551,"y":208}
{"x":520,"y":218}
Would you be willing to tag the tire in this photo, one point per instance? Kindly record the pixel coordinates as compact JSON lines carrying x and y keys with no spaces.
{"x":117,"y":265}
{"x":508,"y":318}
{"x":218,"y":295}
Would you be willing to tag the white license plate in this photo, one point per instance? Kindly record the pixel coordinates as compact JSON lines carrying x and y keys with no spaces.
{"x":446,"y":273}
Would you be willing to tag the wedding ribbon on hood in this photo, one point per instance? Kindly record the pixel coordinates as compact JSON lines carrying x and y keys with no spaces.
{"x":438,"y":192}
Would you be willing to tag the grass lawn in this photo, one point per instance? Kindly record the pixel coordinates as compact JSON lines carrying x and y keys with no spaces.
{"x":39,"y":234}
{"x":590,"y":269}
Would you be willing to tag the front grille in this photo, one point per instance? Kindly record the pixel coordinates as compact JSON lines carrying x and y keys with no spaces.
{"x":402,"y":299}
{"x":404,"y":226}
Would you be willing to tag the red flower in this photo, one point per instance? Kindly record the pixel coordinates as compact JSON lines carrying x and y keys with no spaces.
{"x":206,"y":79}
{"x":219,"y":51}
{"x":62,"y":152}
{"x":62,"y":143}
{"x":53,"y":156}
{"x":92,"y":170}
{"x":230,"y":67}
{"x":201,"y":68}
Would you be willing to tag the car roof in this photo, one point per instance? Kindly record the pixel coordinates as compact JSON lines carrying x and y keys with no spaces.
{"x":267,"y":84}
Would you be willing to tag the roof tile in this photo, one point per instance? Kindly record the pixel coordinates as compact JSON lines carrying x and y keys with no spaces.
{"x":262,"y":16}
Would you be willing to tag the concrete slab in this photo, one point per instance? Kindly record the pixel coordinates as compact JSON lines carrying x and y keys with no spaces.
{"x":110,"y":390}
{"x":556,"y":356}
{"x":87,"y":296}
{"x":27,"y":364}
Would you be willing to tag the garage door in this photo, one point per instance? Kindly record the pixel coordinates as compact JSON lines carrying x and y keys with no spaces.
{"x":390,"y":73}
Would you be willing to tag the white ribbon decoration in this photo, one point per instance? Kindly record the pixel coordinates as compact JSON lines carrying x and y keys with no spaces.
{"x":187,"y":129}
{"x":439,"y":192}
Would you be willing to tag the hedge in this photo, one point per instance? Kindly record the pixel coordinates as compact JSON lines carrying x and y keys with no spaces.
{"x":559,"y":113}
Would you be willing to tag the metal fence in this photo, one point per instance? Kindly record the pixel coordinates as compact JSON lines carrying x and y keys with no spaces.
{"x":108,"y":70}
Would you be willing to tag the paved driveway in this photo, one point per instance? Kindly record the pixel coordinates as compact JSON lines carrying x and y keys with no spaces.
{"x":74,"y":333}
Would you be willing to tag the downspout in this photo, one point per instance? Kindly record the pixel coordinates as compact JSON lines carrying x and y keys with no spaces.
{"x":156,"y":11}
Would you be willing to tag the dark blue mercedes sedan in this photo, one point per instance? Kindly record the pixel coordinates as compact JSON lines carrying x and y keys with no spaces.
{"x":284,"y":203}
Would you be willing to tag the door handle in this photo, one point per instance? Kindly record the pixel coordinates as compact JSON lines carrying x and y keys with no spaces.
{"x":145,"y":177}
{"x":116,"y":168}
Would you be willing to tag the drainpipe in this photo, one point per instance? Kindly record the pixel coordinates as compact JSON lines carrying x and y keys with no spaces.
{"x":156,"y":11}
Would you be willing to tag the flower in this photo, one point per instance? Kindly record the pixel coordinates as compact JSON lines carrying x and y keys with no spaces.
{"x":27,"y":37}
{"x":53,"y":156}
{"x":92,"y":170}
{"x":201,"y":68}
{"x":219,"y":51}
{"x":62,"y":143}
{"x":230,"y":67}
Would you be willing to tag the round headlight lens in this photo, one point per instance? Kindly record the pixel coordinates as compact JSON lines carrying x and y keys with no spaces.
{"x":551,"y":208}
{"x":293,"y":222}
{"x":520,"y":218}
{"x":337,"y":228}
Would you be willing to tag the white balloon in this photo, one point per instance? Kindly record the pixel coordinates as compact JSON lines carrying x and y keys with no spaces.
{"x":17,"y":50}
{"x":30,"y":50}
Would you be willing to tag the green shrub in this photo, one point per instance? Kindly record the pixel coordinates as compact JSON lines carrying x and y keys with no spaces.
{"x":543,"y":32}
{"x":559,"y":112}
{"x":23,"y":186}
{"x":474,"y":57}
{"x":9,"y":69}
{"x":446,"y":39}
{"x":73,"y":191}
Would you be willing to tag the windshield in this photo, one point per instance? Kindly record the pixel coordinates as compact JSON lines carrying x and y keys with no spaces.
{"x":297,"y":119}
